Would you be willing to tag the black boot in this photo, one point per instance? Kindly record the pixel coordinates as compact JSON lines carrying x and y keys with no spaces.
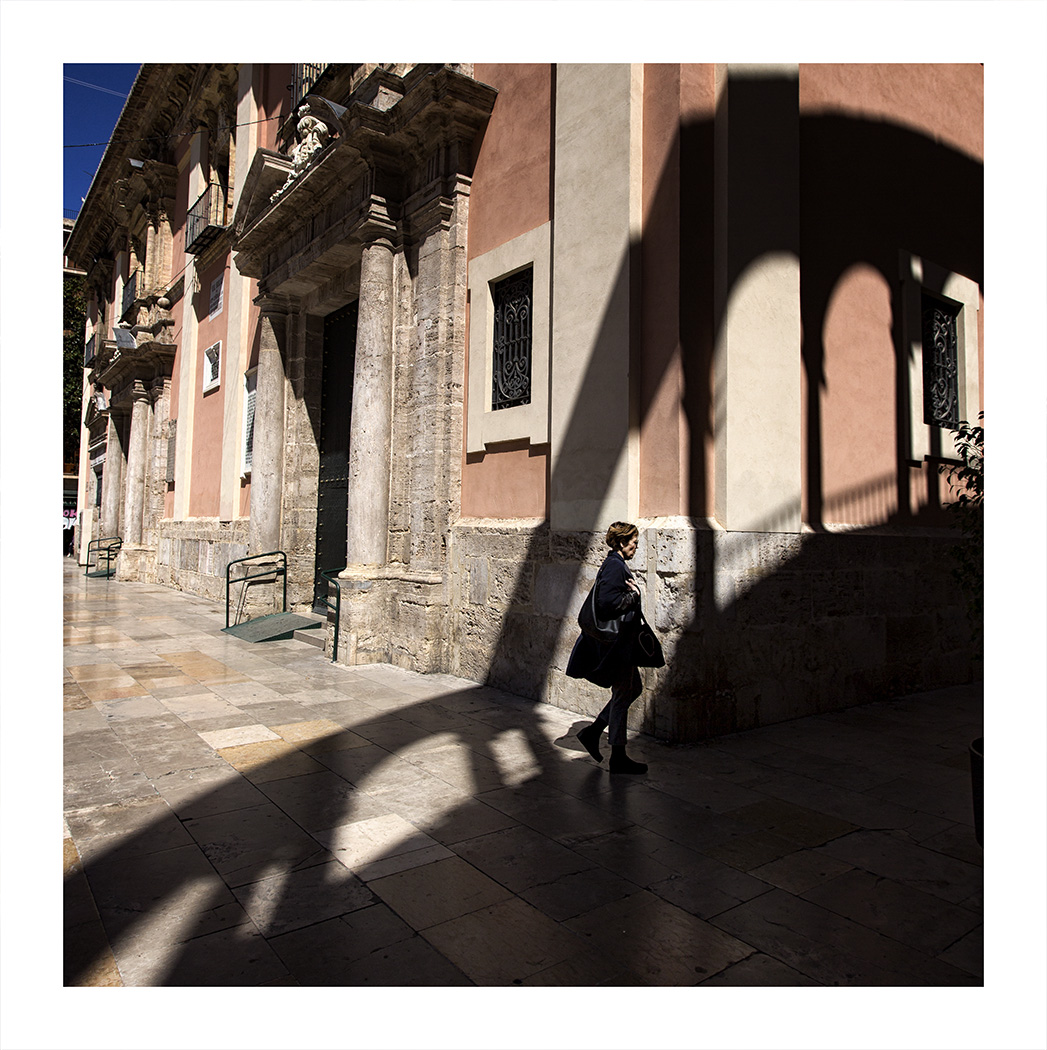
{"x":590,"y":738}
{"x":622,"y":763}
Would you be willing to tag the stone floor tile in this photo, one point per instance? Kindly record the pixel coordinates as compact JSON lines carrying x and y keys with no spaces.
{"x":246,"y":845}
{"x":162,"y":758}
{"x":800,"y":871}
{"x":565,"y":818}
{"x":950,"y":799}
{"x":504,"y":943}
{"x":411,"y":962}
{"x":321,"y":800}
{"x":243,"y":734}
{"x":290,"y":900}
{"x":968,"y":953}
{"x":694,"y":895}
{"x":141,"y":827}
{"x":895,"y":910}
{"x":829,"y":948}
{"x":803,"y":826}
{"x":465,"y":821}
{"x":235,"y":957}
{"x":207,"y":791}
{"x":746,"y":852}
{"x":758,"y":971}
{"x":623,"y":852}
{"x":318,"y":736}
{"x":462,"y":768}
{"x":586,"y":969}
{"x":569,"y":895}
{"x":130,"y":707}
{"x":373,"y":847}
{"x":437,"y":892}
{"x":269,"y":760}
{"x":321,"y":954}
{"x":87,"y":958}
{"x":520,"y":858}
{"x":892,"y":857}
{"x":957,"y":841}
{"x":656,"y":943}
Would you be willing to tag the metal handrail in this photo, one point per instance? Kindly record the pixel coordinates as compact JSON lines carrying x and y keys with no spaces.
{"x":337,"y":605}
{"x":109,"y":545}
{"x":258,"y":575}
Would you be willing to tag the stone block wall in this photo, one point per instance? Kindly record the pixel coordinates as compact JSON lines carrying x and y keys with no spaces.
{"x":193,"y":555}
{"x":757,"y":628}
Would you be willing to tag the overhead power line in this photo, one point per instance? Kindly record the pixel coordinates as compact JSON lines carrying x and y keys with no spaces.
{"x":153,"y":138}
{"x":97,"y":87}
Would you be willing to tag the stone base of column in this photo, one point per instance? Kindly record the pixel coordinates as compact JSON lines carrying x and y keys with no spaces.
{"x":393,"y":616}
{"x":136,"y":563}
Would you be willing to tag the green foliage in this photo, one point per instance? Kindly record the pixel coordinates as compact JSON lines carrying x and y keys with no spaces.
{"x":73,"y":310}
{"x":967,"y":479}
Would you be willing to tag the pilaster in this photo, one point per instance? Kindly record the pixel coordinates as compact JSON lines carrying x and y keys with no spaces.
{"x":757,"y":291}
{"x":268,"y":455}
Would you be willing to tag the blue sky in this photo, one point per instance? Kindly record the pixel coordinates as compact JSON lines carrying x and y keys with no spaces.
{"x":93,"y":95}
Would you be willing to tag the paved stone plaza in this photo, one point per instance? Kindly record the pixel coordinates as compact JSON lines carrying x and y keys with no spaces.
{"x":251,"y":814}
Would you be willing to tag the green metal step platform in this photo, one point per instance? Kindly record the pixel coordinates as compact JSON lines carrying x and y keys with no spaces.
{"x":272,"y":628}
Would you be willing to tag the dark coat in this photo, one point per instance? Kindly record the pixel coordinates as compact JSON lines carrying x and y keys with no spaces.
{"x":594,"y":661}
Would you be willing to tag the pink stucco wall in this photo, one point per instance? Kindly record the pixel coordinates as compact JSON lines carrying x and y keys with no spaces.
{"x":510,"y":196}
{"x":882,"y":148}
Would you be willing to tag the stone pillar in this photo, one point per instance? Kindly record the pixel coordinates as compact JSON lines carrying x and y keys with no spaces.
{"x":267,"y":466}
{"x":757,"y":289}
{"x":112,"y":479}
{"x":596,"y":225}
{"x":137,"y":448}
{"x":371,"y":426}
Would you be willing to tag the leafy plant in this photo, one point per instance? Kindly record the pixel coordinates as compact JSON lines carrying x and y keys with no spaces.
{"x":967,"y":479}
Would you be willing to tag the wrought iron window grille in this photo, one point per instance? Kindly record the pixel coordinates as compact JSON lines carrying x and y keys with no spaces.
{"x":941,"y":396}
{"x":511,"y":372}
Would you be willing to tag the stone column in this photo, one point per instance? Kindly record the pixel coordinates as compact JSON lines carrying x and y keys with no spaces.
{"x":112,"y":479}
{"x":371,"y":426}
{"x":134,"y":489}
{"x":267,"y":466}
{"x":757,"y":287}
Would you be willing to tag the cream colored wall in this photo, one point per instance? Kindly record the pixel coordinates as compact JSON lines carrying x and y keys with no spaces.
{"x":757,"y":356}
{"x":237,"y":356}
{"x":596,"y":221}
{"x":187,"y":356}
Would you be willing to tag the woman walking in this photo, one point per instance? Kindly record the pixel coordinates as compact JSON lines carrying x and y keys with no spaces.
{"x":611,"y":659}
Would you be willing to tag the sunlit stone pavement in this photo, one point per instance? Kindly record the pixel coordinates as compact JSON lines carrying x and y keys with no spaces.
{"x":250,"y":814}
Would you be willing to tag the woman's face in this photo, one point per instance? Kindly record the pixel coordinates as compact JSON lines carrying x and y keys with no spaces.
{"x":628,"y":549}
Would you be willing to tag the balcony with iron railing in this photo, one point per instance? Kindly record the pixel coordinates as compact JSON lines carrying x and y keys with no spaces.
{"x":206,"y":219}
{"x":305,"y":76}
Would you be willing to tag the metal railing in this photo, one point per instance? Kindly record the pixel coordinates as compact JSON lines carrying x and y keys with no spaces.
{"x":331,"y":576}
{"x":106,"y":548}
{"x":305,"y":76}
{"x":270,"y":571}
{"x":205,"y":219}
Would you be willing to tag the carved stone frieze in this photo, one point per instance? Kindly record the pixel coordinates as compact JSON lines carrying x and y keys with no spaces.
{"x":404,"y":145}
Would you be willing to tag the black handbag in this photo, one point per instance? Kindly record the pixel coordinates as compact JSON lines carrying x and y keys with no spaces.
{"x":604,"y":631}
{"x":647,"y":650}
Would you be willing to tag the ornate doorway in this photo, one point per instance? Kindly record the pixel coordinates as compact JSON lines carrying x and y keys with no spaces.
{"x":336,"y":405}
